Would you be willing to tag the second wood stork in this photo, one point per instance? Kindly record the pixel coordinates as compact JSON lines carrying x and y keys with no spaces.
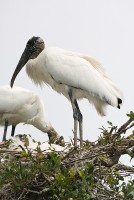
{"x":27,"y":142}
{"x":19,"y":105}
{"x":73,"y":74}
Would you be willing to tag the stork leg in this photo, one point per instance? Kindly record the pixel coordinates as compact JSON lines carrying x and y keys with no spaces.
{"x":13,"y":130}
{"x":80,"y":120}
{"x":77,"y":118}
{"x":75,"y":132}
{"x":5,"y":130}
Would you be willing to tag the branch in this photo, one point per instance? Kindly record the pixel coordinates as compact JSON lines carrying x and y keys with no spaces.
{"x":123,"y":127}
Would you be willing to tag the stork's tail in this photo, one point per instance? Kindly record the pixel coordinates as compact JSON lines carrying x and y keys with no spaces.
{"x":119,"y":102}
{"x":111,"y":96}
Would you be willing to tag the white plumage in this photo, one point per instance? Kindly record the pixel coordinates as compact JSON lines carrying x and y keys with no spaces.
{"x":62,"y":69}
{"x":19,"y":105}
{"x":28,"y":143}
{"x":74,"y":75}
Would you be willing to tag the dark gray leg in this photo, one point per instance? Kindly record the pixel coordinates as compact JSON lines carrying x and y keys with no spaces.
{"x":5,"y":130}
{"x":75,"y":131}
{"x":77,"y":118}
{"x":80,"y":120}
{"x":13,"y":130}
{"x":74,"y":116}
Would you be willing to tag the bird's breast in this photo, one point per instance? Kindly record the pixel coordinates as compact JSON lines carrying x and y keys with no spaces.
{"x":37,"y":70}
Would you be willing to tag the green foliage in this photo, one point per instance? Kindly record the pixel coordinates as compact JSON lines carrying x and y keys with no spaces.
{"x":74,"y":184}
{"x":113,"y":180}
{"x":128,"y":190}
{"x":64,"y":182}
{"x":131,"y":115}
{"x":91,"y":173}
{"x":17,"y":174}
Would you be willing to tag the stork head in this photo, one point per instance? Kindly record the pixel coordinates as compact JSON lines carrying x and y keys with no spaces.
{"x":33,"y":48}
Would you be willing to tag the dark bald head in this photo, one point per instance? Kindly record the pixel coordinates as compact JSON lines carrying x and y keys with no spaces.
{"x":34,"y":47}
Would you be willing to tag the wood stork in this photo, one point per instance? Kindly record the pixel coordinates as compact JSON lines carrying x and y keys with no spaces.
{"x":19,"y":105}
{"x":73,"y":74}
{"x":22,"y":140}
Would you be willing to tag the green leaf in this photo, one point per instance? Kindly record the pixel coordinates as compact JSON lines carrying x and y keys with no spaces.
{"x":131,"y":115}
{"x":81,"y":173}
{"x":110,"y":123}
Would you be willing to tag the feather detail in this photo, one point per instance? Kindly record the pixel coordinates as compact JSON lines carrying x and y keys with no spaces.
{"x":60,"y":69}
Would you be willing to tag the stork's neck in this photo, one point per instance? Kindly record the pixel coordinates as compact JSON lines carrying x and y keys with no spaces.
{"x":46,"y":127}
{"x":42,"y":124}
{"x":36,"y":70}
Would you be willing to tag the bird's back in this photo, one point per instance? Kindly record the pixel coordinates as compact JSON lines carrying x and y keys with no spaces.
{"x":18,"y":104}
{"x":60,"y":68}
{"x":83,"y":72}
{"x":12,"y":99}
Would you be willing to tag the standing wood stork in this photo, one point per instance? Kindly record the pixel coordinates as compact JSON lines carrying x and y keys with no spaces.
{"x":73,"y":74}
{"x":19,"y":105}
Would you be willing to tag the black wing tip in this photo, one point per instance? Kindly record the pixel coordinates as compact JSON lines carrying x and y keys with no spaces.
{"x":119,"y":102}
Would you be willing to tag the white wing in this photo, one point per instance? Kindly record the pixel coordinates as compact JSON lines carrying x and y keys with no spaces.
{"x":79,"y":71}
{"x":13,"y":99}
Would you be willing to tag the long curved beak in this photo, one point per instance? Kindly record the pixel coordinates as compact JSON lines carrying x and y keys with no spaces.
{"x":23,"y":60}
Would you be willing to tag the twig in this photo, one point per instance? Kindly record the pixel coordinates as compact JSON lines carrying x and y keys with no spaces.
{"x":21,"y":195}
{"x":70,"y":152}
{"x":40,"y":192}
{"x":124,"y":126}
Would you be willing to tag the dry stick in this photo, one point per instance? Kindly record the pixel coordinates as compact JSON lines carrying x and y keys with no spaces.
{"x":8,"y":151}
{"x":21,"y":195}
{"x":41,"y":192}
{"x":130,"y":126}
{"x":112,"y":129}
{"x":46,"y":178}
{"x":36,"y":192}
{"x":121,"y":149}
{"x":70,"y":152}
{"x":124,"y":126}
{"x":124,"y":167}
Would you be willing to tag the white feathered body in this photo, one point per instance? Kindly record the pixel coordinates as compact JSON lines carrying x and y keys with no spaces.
{"x":19,"y":140}
{"x":62,"y":69}
{"x":19,"y":105}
